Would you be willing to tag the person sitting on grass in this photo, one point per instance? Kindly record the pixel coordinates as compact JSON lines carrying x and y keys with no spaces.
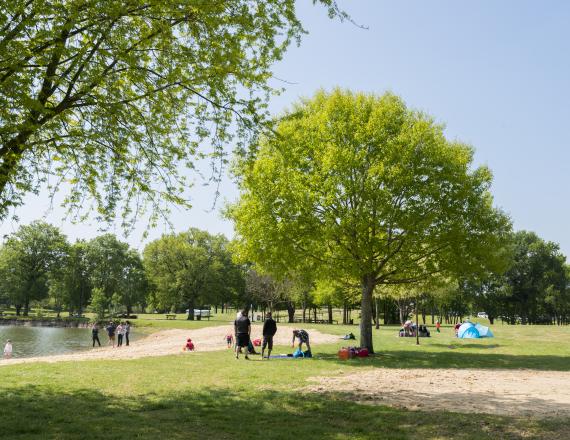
{"x":189,"y":345}
{"x":303,"y":337}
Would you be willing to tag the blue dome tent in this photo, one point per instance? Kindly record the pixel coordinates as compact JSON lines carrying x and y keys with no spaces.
{"x":484,"y":332}
{"x":468,"y":331}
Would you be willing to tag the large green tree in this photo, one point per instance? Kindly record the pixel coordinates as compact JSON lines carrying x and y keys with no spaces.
{"x":370,"y":190}
{"x":117,"y":97}
{"x":191,"y":268}
{"x":110,"y":266}
{"x":29,"y":260}
{"x":537,"y":281}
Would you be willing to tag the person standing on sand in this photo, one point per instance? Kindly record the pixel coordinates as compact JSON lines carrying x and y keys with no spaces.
{"x":269,"y":330}
{"x":111,"y":333}
{"x":127,"y":331}
{"x":8,"y":349}
{"x":120,"y":334}
{"x":242,"y":327}
{"x":229,"y":340}
{"x":95,"y":334}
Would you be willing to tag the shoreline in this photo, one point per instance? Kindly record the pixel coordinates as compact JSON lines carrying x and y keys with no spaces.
{"x":168,"y":342}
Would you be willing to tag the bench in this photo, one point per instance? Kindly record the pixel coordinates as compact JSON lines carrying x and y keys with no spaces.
{"x":170,"y":316}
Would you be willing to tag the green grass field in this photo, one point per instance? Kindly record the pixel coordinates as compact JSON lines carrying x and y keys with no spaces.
{"x":211,"y":395}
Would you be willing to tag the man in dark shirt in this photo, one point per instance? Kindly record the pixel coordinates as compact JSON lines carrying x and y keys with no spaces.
{"x":303,"y":337}
{"x":95,"y":334}
{"x":111,"y":332}
{"x":242,"y":327}
{"x":269,"y":330}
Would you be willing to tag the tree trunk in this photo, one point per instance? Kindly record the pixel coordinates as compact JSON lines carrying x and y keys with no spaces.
{"x":366,"y":313}
{"x":377,"y":314}
{"x":491,"y":320}
{"x":330,"y":310}
{"x":424,"y":316}
{"x":26,"y":307}
{"x":190,"y":310}
{"x":18,"y":309}
{"x":417,"y":325}
{"x":291,"y":311}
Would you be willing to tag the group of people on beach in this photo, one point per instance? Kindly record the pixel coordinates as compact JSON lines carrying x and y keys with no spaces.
{"x":242,"y":330}
{"x":122,"y":331}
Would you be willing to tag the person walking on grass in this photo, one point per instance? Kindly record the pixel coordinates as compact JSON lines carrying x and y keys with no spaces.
{"x":127,"y":332}
{"x":242,"y":328}
{"x":111,"y":328}
{"x":303,"y":337}
{"x":437,"y":326}
{"x":95,"y":334}
{"x":8,"y":349}
{"x":269,"y":330}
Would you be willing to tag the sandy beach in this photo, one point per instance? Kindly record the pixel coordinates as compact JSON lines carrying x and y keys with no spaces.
{"x":168,"y":342}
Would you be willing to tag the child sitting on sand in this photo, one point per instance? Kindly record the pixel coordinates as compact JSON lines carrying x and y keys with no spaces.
{"x":189,"y":345}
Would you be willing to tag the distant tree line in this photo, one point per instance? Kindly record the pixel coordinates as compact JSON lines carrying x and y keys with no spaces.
{"x":193,"y":269}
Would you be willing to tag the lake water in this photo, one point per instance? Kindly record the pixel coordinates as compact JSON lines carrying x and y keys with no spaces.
{"x":44,"y":341}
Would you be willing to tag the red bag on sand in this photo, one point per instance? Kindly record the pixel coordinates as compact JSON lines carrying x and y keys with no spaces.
{"x":257,"y":342}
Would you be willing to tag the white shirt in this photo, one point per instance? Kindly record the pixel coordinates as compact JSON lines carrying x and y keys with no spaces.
{"x":8,"y":348}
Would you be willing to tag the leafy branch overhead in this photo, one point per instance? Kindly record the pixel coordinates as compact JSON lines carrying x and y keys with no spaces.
{"x":116,"y":99}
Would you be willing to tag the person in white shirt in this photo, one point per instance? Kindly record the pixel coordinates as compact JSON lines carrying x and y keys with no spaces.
{"x":120,"y":334}
{"x":8,"y":349}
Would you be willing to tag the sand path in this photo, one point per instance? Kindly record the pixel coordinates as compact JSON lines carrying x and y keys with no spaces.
{"x":166,"y":342}
{"x":502,"y":392}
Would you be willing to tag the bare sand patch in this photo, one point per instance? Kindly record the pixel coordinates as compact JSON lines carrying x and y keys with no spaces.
{"x":167,"y":342}
{"x":501,"y":392}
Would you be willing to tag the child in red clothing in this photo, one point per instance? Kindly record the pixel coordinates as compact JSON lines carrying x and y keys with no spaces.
{"x":230,"y":340}
{"x":189,"y":345}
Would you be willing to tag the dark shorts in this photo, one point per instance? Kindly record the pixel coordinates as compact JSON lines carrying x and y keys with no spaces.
{"x":268,"y":342}
{"x":242,"y":340}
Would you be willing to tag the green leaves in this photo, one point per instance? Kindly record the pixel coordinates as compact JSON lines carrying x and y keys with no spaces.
{"x":366,"y":187}
{"x":190,"y":267}
{"x":127,"y":94}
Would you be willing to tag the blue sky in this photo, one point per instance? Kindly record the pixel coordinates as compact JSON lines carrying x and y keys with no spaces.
{"x":495,"y":72}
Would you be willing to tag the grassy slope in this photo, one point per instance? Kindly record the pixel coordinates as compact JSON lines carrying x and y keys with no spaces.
{"x":213,"y":395}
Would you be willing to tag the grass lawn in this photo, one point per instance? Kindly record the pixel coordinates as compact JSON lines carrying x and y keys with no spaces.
{"x":211,"y":395}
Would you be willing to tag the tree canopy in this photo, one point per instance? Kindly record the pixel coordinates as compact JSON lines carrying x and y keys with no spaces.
{"x":191,"y":268}
{"x":117,"y":97}
{"x":28,"y":261}
{"x":370,"y":190}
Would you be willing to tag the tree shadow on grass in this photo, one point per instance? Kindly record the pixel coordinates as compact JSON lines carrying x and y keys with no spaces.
{"x":455,"y":359}
{"x":39,"y":413}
